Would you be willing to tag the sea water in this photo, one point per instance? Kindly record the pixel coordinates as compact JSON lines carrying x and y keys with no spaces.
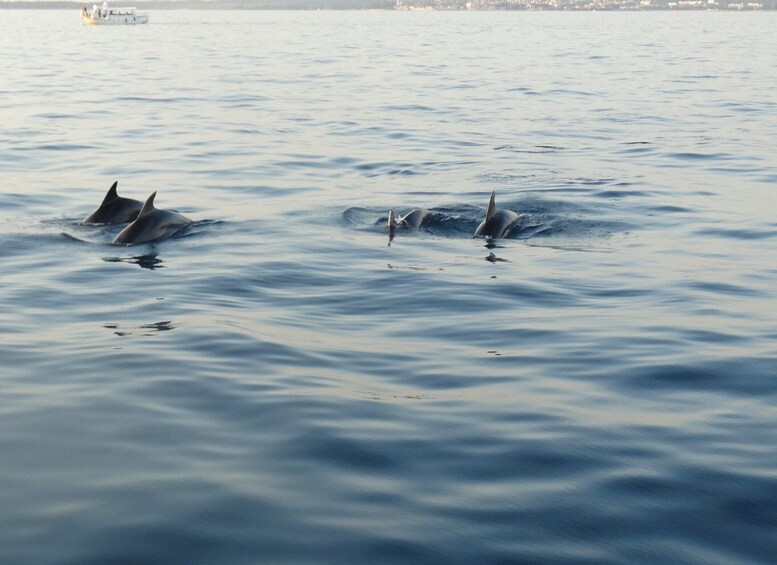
{"x":284,"y":383}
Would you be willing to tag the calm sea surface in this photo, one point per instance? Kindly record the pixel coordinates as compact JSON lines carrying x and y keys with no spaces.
{"x":278,"y":384}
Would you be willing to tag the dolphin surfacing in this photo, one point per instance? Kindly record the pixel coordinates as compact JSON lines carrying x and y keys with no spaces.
{"x":114,"y":209}
{"x":498,"y":223}
{"x":152,"y":224}
{"x":413,"y":219}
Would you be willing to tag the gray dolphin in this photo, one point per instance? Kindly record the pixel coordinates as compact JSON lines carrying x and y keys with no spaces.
{"x":152,"y":224}
{"x":498,"y":223}
{"x":413,"y":219}
{"x":114,"y":209}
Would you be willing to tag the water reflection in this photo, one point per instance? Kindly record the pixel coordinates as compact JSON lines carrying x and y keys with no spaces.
{"x":491,"y":258}
{"x":143,"y":329}
{"x":163,"y":326}
{"x":148,"y":261}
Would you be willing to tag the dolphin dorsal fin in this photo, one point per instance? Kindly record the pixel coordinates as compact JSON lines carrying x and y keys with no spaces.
{"x":148,"y":207}
{"x":491,"y":207}
{"x":111,"y":194}
{"x":392,"y":222}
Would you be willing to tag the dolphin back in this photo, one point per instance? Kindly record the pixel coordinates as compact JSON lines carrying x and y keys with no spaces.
{"x":152,"y":224}
{"x":413,"y":219}
{"x":498,"y":223}
{"x":114,"y":209}
{"x":416,"y":218}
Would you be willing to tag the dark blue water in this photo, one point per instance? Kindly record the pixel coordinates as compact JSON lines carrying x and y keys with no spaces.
{"x":278,"y":384}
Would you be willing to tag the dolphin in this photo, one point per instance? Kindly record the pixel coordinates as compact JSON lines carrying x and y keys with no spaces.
{"x":413,"y":219}
{"x":115,"y":209}
{"x":152,"y":224}
{"x":498,"y":223}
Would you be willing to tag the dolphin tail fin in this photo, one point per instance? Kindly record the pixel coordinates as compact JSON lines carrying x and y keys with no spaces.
{"x":111,"y":194}
{"x":148,"y":207}
{"x":392,"y":221}
{"x":491,"y":206}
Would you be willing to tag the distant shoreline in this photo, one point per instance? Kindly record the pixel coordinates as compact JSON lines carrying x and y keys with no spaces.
{"x":391,"y":5}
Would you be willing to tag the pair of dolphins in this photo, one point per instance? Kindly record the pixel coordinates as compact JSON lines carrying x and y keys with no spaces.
{"x":146,"y":223}
{"x":497,"y":224}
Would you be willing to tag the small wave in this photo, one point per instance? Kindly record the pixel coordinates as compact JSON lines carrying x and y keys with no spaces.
{"x":669,"y":209}
{"x":593,"y":181}
{"x":741,"y":233}
{"x":197,"y":228}
{"x":619,"y":193}
{"x":393,"y":168}
{"x":535,"y":150}
{"x":638,"y":149}
{"x":755,"y":377}
{"x":726,"y":289}
{"x":55,"y":116}
{"x":63,"y":147}
{"x":410,"y":108}
{"x":691,"y":156}
{"x":161,"y":99}
{"x":565,"y":91}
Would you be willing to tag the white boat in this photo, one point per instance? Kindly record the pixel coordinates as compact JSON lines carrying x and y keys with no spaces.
{"x":112,"y":16}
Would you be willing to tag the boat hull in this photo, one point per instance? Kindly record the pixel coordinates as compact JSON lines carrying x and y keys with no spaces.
{"x":126,"y":15}
{"x":116,"y":20}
